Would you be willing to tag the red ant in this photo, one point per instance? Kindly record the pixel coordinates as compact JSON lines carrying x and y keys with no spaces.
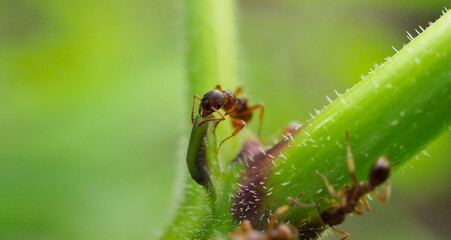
{"x":281,"y":232}
{"x":237,"y":107}
{"x":351,"y":194}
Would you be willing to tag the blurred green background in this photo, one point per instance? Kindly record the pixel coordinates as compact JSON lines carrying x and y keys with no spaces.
{"x":91,"y":108}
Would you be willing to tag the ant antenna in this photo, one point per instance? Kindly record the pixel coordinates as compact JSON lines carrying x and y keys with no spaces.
{"x":194,"y":105}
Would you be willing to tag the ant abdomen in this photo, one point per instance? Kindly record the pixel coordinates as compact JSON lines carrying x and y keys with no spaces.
{"x":380,"y":171}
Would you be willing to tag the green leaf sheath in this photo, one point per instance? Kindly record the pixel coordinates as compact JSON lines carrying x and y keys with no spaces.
{"x":201,"y":157}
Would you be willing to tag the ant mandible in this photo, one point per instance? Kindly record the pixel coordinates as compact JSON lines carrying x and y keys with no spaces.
{"x":237,"y":107}
{"x":351,"y":194}
{"x":281,"y":232}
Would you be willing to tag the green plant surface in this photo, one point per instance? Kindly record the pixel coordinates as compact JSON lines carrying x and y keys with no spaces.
{"x":210,"y":60}
{"x":395,"y":111}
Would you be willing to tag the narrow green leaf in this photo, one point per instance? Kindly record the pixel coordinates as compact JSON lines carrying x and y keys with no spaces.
{"x":202,"y":157}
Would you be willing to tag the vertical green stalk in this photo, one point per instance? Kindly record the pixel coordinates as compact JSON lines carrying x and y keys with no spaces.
{"x":211,"y":56}
{"x":210,"y":60}
{"x":211,"y":47}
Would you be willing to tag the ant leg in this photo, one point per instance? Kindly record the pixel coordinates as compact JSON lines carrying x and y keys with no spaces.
{"x":260,"y":117}
{"x":316,"y":206}
{"x":366,"y":204}
{"x":213,"y":119}
{"x":351,"y":164}
{"x":231,"y":109}
{"x":276,"y":215}
{"x":330,"y":202}
{"x":294,"y":202}
{"x":227,"y":113}
{"x":358,"y":209}
{"x":387,"y":190}
{"x":386,"y":193}
{"x":192,"y":110}
{"x":218,"y":87}
{"x":396,"y":163}
{"x":241,"y":124}
{"x":341,"y":232}
{"x":246,"y":225}
{"x":330,"y":188}
{"x":318,"y":209}
{"x":299,"y":196}
{"x":241,"y":231}
{"x":238,"y":90}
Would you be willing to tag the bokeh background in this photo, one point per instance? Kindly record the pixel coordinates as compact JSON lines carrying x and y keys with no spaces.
{"x":91,"y":97}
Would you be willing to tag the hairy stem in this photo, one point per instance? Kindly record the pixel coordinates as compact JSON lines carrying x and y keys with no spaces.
{"x":210,"y":60}
{"x":395,"y":111}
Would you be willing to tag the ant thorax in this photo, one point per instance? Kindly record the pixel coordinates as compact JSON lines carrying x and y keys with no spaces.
{"x":352,"y":196}
{"x":229,"y":100}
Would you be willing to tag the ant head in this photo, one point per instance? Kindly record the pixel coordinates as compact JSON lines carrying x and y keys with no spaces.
{"x":212,"y":99}
{"x":380,"y":171}
{"x":332,"y":216}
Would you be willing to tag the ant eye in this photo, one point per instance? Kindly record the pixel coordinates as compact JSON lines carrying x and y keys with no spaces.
{"x":219,"y":105}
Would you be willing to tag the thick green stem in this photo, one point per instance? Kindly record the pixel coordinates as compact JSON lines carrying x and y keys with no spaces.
{"x":211,"y":53}
{"x":210,"y":60}
{"x":211,"y":50}
{"x":397,"y":110}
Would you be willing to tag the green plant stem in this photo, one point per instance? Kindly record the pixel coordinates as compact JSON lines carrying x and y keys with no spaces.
{"x":210,"y":60}
{"x":210,"y":53}
{"x":395,"y":111}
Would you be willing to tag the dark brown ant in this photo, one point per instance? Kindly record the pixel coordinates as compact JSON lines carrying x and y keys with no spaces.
{"x":237,"y":107}
{"x":350,"y":195}
{"x":281,"y":232}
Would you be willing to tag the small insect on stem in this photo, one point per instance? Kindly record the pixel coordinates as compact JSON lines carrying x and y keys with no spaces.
{"x":281,"y":231}
{"x":349,"y":198}
{"x":236,"y":107}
